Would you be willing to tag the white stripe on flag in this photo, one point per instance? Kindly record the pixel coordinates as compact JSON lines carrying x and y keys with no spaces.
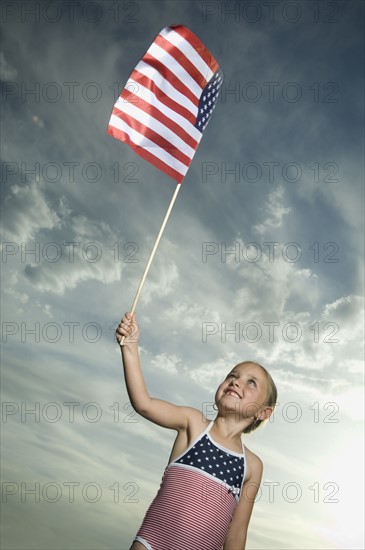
{"x":166,"y":87}
{"x":150,"y":122}
{"x":148,"y":145}
{"x":150,"y":97}
{"x":166,"y":59}
{"x":187,"y":49}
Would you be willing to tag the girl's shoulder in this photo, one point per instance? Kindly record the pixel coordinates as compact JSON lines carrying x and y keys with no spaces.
{"x":254,"y":466}
{"x":197,"y":421}
{"x":196,"y":425}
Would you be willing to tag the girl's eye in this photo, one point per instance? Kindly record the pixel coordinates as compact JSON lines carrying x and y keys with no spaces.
{"x":253,"y":381}
{"x":231,"y":375}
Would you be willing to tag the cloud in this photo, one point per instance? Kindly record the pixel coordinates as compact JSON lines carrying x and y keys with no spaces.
{"x":21,"y":297}
{"x":25,"y":212}
{"x":162,"y":282}
{"x":344,"y":308}
{"x":7,"y":72}
{"x":275,"y":211}
{"x":166,"y":363}
{"x":86,"y":257}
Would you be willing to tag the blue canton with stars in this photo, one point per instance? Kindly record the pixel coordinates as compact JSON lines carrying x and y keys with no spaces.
{"x":208,"y":100}
{"x":224,"y":466}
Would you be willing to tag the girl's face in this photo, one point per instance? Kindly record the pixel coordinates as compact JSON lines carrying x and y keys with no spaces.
{"x":243,"y":391}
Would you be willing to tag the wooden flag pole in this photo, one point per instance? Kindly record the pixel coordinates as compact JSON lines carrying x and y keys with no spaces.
{"x":136,"y":298}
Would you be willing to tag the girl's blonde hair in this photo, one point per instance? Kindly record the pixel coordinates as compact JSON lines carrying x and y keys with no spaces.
{"x":270,"y":401}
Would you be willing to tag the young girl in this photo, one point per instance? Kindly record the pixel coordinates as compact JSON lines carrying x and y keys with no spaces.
{"x":209,"y":486}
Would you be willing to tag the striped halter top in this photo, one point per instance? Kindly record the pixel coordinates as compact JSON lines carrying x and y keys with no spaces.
{"x":196,"y":500}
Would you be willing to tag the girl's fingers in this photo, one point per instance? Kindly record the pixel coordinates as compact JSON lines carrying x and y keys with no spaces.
{"x":127,"y":319}
{"x":127,"y":327}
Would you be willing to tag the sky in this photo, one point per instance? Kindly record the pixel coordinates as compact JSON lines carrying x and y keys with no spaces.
{"x":262,"y":259}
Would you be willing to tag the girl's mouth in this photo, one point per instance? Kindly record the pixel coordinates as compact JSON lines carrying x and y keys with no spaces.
{"x":233,"y":393}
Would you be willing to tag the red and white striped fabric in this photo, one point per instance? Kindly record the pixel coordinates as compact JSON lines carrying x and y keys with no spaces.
{"x":191,"y":512}
{"x":168,"y":100}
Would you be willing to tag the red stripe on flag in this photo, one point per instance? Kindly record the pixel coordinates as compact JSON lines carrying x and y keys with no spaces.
{"x":158,"y":115}
{"x":153,"y":136}
{"x":197,"y":45}
{"x":170,"y":77}
{"x":164,"y":98}
{"x":182,"y":60}
{"x":122,"y":136}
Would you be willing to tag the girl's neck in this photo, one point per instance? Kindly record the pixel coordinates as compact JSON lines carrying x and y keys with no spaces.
{"x":229,"y":427}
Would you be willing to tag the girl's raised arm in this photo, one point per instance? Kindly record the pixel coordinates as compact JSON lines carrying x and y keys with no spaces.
{"x":158,"y":411}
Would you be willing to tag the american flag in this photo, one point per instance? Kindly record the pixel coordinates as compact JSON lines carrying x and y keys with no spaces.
{"x":168,"y":100}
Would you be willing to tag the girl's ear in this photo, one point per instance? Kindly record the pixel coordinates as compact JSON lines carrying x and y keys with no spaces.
{"x":265,"y":413}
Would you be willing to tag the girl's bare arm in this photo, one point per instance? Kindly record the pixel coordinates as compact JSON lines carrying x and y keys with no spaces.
{"x":237,"y":532}
{"x":160,"y":412}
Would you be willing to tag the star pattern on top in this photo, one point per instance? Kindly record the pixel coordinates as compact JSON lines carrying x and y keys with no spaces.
{"x":212,"y":460}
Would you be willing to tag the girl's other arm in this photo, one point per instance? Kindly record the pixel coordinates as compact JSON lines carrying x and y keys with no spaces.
{"x":237,"y":532}
{"x":158,"y":411}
